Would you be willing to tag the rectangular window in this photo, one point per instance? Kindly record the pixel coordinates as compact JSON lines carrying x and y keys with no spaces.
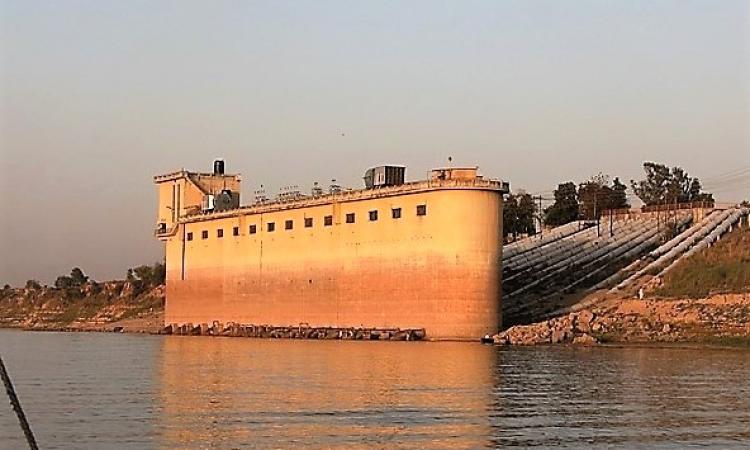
{"x":204,"y":234}
{"x":271,"y":226}
{"x":236,"y":231}
{"x":220,"y":233}
{"x":421,"y":210}
{"x":253,"y":229}
{"x":396,"y":213}
{"x":328,"y":221}
{"x":288,"y":225}
{"x":190,"y":236}
{"x":350,"y":218}
{"x":373,"y":216}
{"x":308,"y":222}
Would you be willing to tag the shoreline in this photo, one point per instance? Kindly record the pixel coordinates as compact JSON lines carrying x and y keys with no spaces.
{"x":721,"y":320}
{"x":709,"y":342}
{"x":718,"y":320}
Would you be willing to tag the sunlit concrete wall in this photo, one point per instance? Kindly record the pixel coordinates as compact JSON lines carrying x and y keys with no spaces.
{"x":440,"y":271}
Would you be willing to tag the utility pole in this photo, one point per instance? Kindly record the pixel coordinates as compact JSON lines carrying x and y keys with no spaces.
{"x":541,"y":227}
{"x":598,"y":230}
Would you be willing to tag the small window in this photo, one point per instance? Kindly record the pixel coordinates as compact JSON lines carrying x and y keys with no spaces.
{"x":236,"y":231}
{"x":396,"y":213}
{"x":253,"y":229}
{"x":308,"y":222}
{"x":190,"y":236}
{"x":204,"y":234}
{"x":220,"y":233}
{"x":271,"y":226}
{"x":288,"y":225}
{"x":421,"y":210}
{"x":350,"y":218}
{"x":327,"y":221}
{"x":373,"y":216}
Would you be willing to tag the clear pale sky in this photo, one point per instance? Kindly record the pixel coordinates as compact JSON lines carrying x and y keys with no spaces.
{"x":96,"y":97}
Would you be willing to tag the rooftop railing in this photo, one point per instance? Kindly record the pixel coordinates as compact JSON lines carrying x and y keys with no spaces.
{"x":358,"y":194}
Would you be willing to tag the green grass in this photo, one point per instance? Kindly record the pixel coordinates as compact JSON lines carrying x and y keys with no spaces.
{"x":724,"y":267}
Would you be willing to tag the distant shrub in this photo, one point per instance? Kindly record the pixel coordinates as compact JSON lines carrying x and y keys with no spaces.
{"x":75,"y":280}
{"x":145,"y":277}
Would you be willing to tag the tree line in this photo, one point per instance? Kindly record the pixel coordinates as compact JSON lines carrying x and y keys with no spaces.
{"x":587,"y":200}
{"x":142,"y":278}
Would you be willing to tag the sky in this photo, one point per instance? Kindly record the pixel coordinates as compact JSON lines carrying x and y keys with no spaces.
{"x":97,"y":97}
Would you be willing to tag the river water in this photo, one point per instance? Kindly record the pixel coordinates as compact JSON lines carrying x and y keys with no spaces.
{"x":107,"y":391}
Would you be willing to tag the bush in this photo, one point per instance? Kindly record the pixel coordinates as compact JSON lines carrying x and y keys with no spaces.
{"x":147,"y":275}
{"x":32,"y":284}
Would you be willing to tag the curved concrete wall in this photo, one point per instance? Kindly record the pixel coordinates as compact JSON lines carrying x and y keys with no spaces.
{"x":440,"y":271}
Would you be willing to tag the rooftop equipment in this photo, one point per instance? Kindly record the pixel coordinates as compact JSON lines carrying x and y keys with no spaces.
{"x":381,"y":176}
{"x":218,"y":167}
{"x":316,"y":190}
{"x":334,"y":187}
{"x":227,"y":199}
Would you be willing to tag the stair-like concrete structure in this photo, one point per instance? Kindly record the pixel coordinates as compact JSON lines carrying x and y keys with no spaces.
{"x":540,"y":273}
{"x":546,"y":277}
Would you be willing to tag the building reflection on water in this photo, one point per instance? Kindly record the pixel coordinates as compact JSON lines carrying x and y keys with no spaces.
{"x":238,"y":393}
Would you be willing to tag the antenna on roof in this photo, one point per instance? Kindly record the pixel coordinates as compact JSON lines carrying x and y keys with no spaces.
{"x":260,"y":195}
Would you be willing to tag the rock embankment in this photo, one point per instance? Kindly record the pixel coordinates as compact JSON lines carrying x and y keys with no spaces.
{"x":106,"y":306}
{"x":715,"y":319}
{"x":574,"y":328}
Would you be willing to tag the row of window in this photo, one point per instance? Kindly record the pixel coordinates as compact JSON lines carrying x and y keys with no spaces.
{"x":327,"y":222}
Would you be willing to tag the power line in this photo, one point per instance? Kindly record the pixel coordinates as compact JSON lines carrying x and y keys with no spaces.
{"x":730,"y":174}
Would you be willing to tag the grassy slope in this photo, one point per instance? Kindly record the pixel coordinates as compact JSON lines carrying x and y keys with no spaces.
{"x":724,"y":267}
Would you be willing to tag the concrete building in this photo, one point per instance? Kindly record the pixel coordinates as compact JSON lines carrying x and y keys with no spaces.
{"x":424,"y":254}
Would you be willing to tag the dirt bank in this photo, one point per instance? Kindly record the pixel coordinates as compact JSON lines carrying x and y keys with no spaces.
{"x":722,"y":319}
{"x":108,"y":306}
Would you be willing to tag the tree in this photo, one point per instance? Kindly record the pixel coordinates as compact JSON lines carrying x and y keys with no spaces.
{"x":510,"y":214}
{"x":619,"y":198}
{"x":33,"y":285}
{"x":518,"y":215}
{"x":596,"y":195}
{"x":663,"y":185}
{"x":78,"y":276}
{"x":565,"y":208}
{"x":76,"y":279}
{"x":64,"y":282}
{"x":147,"y":276}
{"x":526,"y":211}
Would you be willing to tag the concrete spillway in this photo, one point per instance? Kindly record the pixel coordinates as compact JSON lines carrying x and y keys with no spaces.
{"x":545,"y":276}
{"x":541,"y":275}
